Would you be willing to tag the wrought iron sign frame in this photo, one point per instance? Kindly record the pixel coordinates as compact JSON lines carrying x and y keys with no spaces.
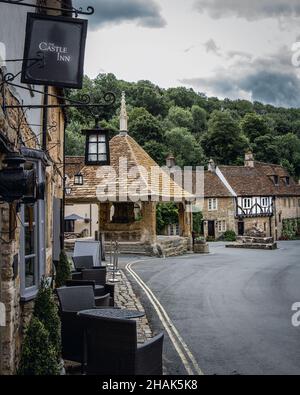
{"x":89,"y":10}
{"x":109,"y":98}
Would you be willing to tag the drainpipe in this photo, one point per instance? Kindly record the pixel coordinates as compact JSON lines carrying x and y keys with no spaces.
{"x":45,"y":119}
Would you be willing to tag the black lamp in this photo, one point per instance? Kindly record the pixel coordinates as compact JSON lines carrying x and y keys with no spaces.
{"x":97,"y":146}
{"x":78,"y":179}
{"x":15,"y":182}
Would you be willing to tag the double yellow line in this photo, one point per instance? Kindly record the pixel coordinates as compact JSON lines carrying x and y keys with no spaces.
{"x":186,"y":356}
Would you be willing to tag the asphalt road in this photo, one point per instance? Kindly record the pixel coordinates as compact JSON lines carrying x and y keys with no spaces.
{"x":232,"y":308}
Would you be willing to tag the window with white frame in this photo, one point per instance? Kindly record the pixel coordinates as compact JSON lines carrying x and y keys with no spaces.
{"x":247,"y":203}
{"x":222,"y":226}
{"x":212,"y":204}
{"x":264,"y":202}
{"x":32,"y":240}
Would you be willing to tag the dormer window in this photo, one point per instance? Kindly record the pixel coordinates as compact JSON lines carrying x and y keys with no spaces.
{"x":287,"y":180}
{"x":276,"y":180}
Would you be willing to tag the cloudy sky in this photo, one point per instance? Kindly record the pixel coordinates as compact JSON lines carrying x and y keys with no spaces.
{"x":225,"y":48}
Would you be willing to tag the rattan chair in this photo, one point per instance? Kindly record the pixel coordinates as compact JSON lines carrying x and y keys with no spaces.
{"x":111,"y":348}
{"x":99,"y":276}
{"x":83,"y":262}
{"x":71,"y":301}
{"x":99,"y":290}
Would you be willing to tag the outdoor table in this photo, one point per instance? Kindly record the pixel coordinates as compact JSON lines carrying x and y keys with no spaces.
{"x":112,"y":313}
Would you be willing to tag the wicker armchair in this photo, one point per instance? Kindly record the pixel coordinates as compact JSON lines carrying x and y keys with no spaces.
{"x":71,"y":301}
{"x":99,"y":290}
{"x":83,"y":262}
{"x":99,"y":276}
{"x":111,"y":348}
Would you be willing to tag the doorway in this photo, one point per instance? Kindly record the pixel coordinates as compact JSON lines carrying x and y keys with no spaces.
{"x":241,"y":228}
{"x":211,"y":229}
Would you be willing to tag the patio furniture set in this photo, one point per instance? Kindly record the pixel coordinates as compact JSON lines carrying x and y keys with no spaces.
{"x":96,"y":334}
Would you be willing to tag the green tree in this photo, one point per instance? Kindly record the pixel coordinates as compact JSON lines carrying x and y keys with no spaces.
{"x":199,"y":119}
{"x":166,"y":214}
{"x":143,"y":126}
{"x":157,"y":151}
{"x":289,"y":152}
{"x":179,"y":117}
{"x":75,"y":140}
{"x":254,"y":126}
{"x":265,"y":149}
{"x":184,"y":147}
{"x":224,"y":141}
{"x":149,"y":96}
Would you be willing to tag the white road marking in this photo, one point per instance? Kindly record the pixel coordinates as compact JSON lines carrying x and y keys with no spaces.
{"x":178,"y":342}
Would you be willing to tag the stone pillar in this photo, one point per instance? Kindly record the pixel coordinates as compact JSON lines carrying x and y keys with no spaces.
{"x":186,"y":223}
{"x":148,"y":231}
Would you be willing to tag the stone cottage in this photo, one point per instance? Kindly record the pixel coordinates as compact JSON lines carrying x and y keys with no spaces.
{"x":240,"y":197}
{"x":30,"y":231}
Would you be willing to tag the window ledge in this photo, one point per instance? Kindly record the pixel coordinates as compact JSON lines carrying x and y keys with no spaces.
{"x":29,"y":297}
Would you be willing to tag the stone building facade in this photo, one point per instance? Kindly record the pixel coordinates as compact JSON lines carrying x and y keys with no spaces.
{"x":240,"y":197}
{"x":29,"y":232}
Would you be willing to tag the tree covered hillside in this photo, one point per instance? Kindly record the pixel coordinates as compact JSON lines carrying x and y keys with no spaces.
{"x":190,"y":125}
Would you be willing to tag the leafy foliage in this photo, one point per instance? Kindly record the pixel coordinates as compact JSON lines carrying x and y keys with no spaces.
{"x":39,"y":357}
{"x":166,"y":214}
{"x":46,"y":311}
{"x":230,"y":235}
{"x":190,"y":125}
{"x":63,"y":270}
{"x":197,"y":222}
{"x":290,"y":229}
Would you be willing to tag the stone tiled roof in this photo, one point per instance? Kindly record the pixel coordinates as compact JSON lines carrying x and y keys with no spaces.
{"x":258,"y":180}
{"x":214,"y":187}
{"x":96,"y":177}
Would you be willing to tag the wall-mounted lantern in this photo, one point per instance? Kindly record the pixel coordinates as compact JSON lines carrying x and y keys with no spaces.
{"x":78,"y":179}
{"x":97,"y":146}
{"x":15,"y":182}
{"x":68,"y":191}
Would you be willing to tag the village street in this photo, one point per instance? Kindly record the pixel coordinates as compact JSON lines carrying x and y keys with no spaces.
{"x":232,"y":308}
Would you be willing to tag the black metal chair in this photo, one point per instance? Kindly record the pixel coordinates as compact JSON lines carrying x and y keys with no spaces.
{"x":71,"y":301}
{"x":99,"y":276}
{"x":111,"y":348}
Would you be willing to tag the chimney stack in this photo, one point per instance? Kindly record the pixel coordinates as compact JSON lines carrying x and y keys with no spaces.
{"x":170,"y":161}
{"x":249,"y":159}
{"x":211,"y":166}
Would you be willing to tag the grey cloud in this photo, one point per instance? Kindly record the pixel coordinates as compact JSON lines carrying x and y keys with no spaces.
{"x":271,"y":80}
{"x":146,"y":13}
{"x":211,"y":46}
{"x":250,"y":10}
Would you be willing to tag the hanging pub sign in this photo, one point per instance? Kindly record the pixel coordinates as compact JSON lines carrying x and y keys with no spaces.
{"x":61,"y":41}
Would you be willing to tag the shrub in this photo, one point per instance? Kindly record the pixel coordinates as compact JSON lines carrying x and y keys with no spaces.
{"x":46,"y":310}
{"x":230,"y":235}
{"x":38,"y":354}
{"x":289,"y":229}
{"x":197,"y":222}
{"x":63,"y":271}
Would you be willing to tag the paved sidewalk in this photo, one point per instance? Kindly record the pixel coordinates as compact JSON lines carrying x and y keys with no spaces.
{"x":125,"y":298}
